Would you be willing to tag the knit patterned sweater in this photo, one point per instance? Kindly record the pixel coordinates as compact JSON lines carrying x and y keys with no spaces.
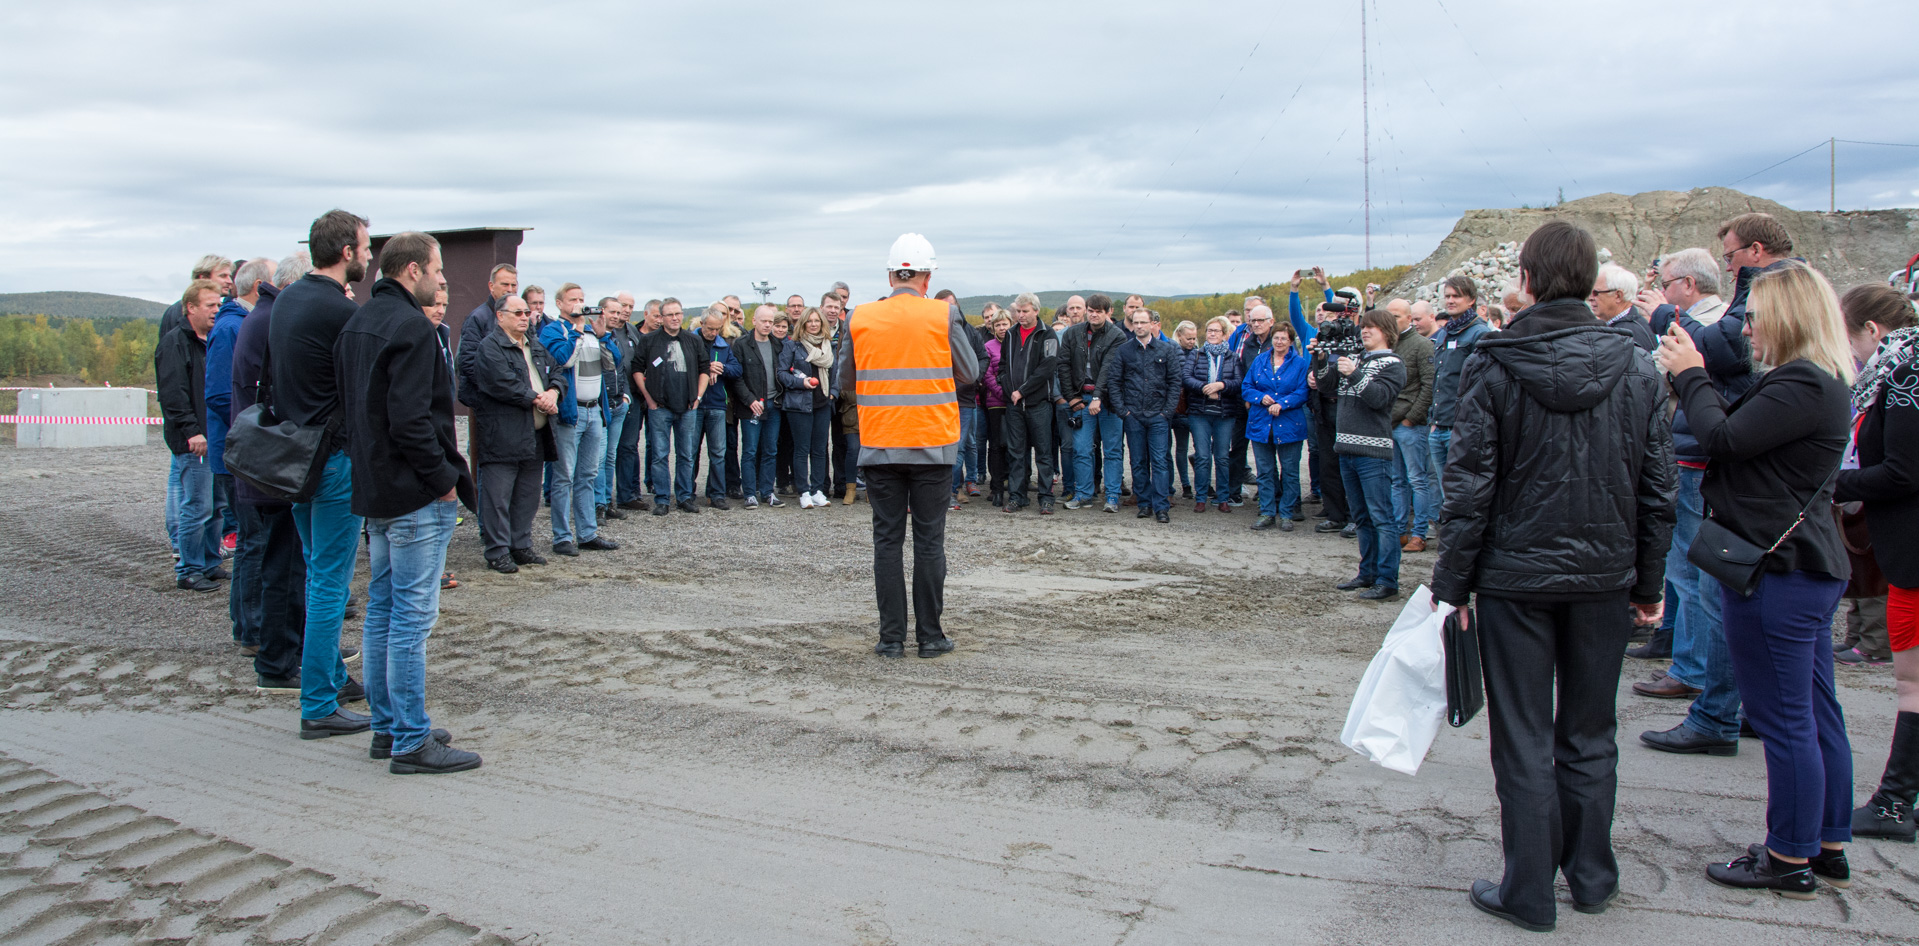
{"x":1365,"y":422}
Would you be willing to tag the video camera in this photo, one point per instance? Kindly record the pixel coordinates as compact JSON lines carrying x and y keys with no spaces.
{"x":1339,"y":306}
{"x":592,"y":311}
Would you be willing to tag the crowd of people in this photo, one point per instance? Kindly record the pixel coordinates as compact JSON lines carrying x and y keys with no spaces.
{"x":1590,"y":454}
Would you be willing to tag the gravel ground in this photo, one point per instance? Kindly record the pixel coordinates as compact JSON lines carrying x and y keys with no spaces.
{"x":689,"y":740}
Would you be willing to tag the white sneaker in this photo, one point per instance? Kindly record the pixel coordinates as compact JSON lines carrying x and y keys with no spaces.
{"x":819,"y":499}
{"x":806,"y":500}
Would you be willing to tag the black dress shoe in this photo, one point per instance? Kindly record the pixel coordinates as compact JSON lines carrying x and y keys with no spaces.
{"x":351,"y":692}
{"x":1485,"y":896}
{"x":661,"y":509}
{"x":1353,"y":584}
{"x":1765,"y":872}
{"x":567,"y":549}
{"x":1144,"y":511}
{"x":1350,"y":532}
{"x":637,"y":505}
{"x":382,"y":747}
{"x":341,"y":723}
{"x":686,"y":505}
{"x":1685,"y":740}
{"x":600,"y":543}
{"x":433,"y":758}
{"x":1590,"y":909}
{"x":720,"y":503}
{"x":930,"y":649}
{"x":1380,"y":593}
{"x":890,"y":649}
{"x":1161,"y":516}
{"x":219,"y":573}
{"x":1328,"y":525}
{"x":504,"y":565}
{"x":1828,"y":865}
{"x":613,"y":512}
{"x":528,"y":557}
{"x":1650,"y":650}
{"x":196,"y":583}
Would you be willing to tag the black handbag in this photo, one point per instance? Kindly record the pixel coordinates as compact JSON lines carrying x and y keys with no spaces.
{"x":1735,"y":562}
{"x":1465,"y":687}
{"x":280,"y":458}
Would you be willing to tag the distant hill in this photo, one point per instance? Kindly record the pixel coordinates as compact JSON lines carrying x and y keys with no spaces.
{"x":1052,"y":299}
{"x":79,"y":305}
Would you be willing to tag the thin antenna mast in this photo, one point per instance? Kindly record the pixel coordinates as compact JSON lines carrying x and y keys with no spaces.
{"x":1366,"y":131}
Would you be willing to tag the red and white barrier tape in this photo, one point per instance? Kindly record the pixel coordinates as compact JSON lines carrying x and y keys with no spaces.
{"x":37,"y":419}
{"x":52,"y":388}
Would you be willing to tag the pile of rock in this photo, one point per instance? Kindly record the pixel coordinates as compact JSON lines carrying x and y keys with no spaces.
{"x":1492,"y":270}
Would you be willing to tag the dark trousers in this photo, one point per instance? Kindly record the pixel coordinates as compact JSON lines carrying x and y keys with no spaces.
{"x":280,"y":576}
{"x":243,"y":592}
{"x":733,"y":480}
{"x":509,"y":497}
{"x":223,"y":504}
{"x":1781,"y":644}
{"x":1183,"y":449}
{"x":626,"y":462}
{"x":996,"y":448}
{"x":896,"y":491}
{"x":1313,"y":467}
{"x":1332,"y":490}
{"x":1029,"y":427}
{"x":841,"y":474}
{"x":1555,"y":761}
{"x":783,"y":459}
{"x":1236,"y":459}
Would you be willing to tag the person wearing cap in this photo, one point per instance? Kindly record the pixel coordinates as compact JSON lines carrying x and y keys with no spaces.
{"x":904,"y":358}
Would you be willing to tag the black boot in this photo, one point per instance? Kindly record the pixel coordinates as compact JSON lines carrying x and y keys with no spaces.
{"x":1656,"y":647}
{"x":1889,"y":813}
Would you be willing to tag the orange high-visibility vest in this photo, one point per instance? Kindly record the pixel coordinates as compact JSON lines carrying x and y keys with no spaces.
{"x":903,"y":373}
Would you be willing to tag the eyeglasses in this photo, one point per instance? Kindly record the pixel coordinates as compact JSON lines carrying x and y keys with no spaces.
{"x":1596,"y":293}
{"x":1728,"y":256}
{"x":1667,"y":283}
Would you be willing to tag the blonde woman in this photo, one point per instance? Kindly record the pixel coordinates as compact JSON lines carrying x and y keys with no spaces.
{"x":1774,"y":456}
{"x":808,"y":373}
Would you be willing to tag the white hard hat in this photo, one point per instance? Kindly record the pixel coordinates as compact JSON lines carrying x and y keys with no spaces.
{"x":911,"y":251}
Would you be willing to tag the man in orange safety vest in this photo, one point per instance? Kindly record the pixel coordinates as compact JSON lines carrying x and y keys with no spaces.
{"x":904,"y":357}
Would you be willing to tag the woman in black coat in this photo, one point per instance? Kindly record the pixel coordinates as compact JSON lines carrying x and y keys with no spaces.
{"x":515,"y":398}
{"x":1772,"y":455}
{"x":1879,"y":323}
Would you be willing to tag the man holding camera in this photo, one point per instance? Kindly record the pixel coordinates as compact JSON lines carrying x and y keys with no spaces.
{"x":1084,"y":350}
{"x":1337,"y":337}
{"x":585,"y":352}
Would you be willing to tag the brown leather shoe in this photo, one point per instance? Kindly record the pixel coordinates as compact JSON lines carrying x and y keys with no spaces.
{"x":1413,"y":543}
{"x":1665,"y":688}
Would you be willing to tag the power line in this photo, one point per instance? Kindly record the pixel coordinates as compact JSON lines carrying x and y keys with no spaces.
{"x":1777,"y":163}
{"x":1882,"y":144}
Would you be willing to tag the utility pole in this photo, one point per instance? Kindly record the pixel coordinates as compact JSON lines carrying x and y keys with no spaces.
{"x":1366,"y":132}
{"x":1832,"y":157}
{"x":765,"y":289}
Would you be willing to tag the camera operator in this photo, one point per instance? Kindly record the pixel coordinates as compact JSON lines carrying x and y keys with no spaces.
{"x":1338,"y":337}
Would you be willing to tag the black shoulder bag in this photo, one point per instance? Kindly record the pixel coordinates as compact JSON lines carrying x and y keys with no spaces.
{"x":1735,"y":562}
{"x":279,"y":458}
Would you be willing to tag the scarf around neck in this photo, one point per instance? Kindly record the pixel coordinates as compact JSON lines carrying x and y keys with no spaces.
{"x":1897,"y":350}
{"x":1461,"y":322}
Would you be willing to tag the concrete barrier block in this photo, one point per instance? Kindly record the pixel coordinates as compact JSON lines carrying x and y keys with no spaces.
{"x":82,"y":402}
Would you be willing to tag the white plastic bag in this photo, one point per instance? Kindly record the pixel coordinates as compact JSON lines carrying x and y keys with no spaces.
{"x":1402,"y":698}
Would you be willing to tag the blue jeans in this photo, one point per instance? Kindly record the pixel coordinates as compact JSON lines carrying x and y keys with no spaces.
{"x":330,"y":538}
{"x":1782,"y":655}
{"x":810,"y":435}
{"x":759,"y":447}
{"x":1699,"y":654}
{"x":217,"y":427}
{"x":196,"y":530}
{"x":605,"y":486}
{"x":1278,"y":470}
{"x":1369,"y":501}
{"x":1106,"y":428}
{"x":1212,"y":446}
{"x":1438,"y":441}
{"x":1412,"y":479}
{"x":713,"y":431}
{"x":582,"y":450}
{"x":965,"y":469}
{"x":402,"y":603}
{"x":676,"y":431}
{"x":1149,"y":436}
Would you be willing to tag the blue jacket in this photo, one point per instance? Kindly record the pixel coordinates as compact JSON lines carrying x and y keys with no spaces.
{"x":1295,"y":313}
{"x":719,"y":350}
{"x":219,"y":383}
{"x":1198,"y":374}
{"x":559,"y":337}
{"x":1450,"y":353}
{"x":1142,"y":379}
{"x":1286,"y":385}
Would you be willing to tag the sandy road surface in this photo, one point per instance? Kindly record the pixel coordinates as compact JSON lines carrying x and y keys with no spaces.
{"x":689,"y":741}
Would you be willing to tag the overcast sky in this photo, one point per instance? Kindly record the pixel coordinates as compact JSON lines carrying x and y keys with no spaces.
{"x":691,"y":150}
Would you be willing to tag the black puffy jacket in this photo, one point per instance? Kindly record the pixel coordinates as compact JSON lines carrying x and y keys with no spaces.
{"x":1559,"y":484}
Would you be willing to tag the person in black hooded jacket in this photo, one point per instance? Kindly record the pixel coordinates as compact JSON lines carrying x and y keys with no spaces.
{"x":1558,"y":510}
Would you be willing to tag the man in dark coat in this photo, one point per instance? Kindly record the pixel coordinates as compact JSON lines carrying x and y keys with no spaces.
{"x":180,"y":373}
{"x":515,"y":395}
{"x":1027,"y":373}
{"x":396,"y":397}
{"x":1558,"y":511}
{"x":1141,"y":383}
